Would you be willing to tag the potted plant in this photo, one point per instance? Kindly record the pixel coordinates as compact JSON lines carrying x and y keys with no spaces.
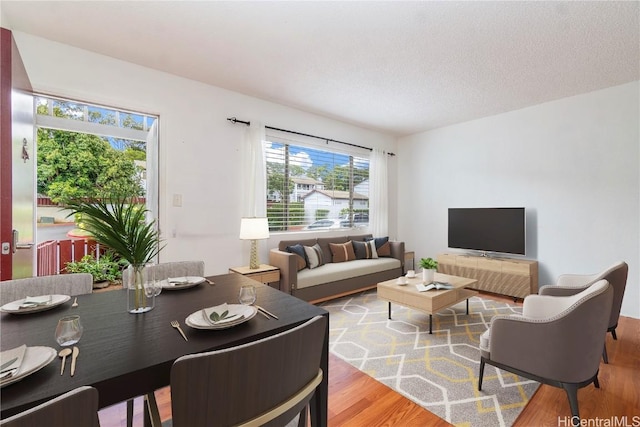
{"x":105,"y":270}
{"x":429,"y":266}
{"x":122,"y":227}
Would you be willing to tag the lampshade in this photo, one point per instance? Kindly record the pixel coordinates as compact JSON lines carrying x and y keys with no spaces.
{"x":254,"y":228}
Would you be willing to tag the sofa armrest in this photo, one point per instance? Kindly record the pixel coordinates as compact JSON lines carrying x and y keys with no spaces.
{"x":288,"y":265}
{"x":397,"y":252}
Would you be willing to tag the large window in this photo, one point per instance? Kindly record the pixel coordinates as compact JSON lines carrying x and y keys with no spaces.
{"x":310,"y":188}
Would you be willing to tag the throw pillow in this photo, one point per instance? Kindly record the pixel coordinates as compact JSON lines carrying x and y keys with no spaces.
{"x":365,"y":250}
{"x":298,"y":250}
{"x":314,"y":256}
{"x":382,"y":246}
{"x":342,"y":252}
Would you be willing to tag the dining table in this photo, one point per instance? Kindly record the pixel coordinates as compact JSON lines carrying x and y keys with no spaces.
{"x":126,"y":355}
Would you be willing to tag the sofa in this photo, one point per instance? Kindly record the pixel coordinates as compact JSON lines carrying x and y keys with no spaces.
{"x":318,"y":269}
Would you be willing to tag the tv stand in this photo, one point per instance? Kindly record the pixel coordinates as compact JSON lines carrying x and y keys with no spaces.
{"x":506,"y":276}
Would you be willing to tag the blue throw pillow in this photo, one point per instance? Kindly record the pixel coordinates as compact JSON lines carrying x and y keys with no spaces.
{"x":298,"y":249}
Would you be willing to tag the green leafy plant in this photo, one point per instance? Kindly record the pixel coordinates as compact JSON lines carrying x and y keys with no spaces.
{"x":428,"y":263}
{"x":122,"y":227}
{"x":105,"y":268}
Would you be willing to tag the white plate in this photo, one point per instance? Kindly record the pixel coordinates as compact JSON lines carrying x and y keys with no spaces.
{"x":191,"y":281}
{"x":196,"y":320}
{"x":35,"y":358}
{"x":14,"y":306}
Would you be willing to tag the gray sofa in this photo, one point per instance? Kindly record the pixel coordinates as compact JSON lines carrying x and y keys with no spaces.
{"x":334,"y":279}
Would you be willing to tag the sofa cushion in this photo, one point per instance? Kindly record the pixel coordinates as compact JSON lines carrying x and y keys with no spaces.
{"x":333,"y":272}
{"x":365,"y":250}
{"x":301,"y":256}
{"x":324,"y":244}
{"x":382,"y":246}
{"x":342,"y":252}
{"x":282,"y":245}
{"x":315,"y":257}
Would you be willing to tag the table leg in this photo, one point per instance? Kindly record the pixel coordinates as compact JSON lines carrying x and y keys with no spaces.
{"x":430,"y":324}
{"x":467,"y":305}
{"x":152,"y":415}
{"x":130,"y":413}
{"x":389,"y":315}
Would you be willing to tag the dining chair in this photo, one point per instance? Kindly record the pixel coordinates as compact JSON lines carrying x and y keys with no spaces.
{"x":164,"y":270}
{"x":556,"y":341}
{"x":76,"y":408}
{"x":262,"y":383}
{"x":66,"y":284}
{"x":570,"y":284}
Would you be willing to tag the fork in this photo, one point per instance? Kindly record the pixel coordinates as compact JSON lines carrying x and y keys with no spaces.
{"x":176,"y":325}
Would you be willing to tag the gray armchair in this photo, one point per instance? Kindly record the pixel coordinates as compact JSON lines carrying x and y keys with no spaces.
{"x":556,"y":340}
{"x":64,"y":284}
{"x":571,"y":284}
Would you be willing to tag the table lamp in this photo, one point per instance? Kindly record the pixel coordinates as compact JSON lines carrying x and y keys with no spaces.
{"x":254,"y":229}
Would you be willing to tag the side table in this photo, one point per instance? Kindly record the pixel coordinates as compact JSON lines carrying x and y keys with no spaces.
{"x":266,"y":274}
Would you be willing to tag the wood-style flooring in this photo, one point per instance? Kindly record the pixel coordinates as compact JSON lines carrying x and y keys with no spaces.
{"x":357,"y":400}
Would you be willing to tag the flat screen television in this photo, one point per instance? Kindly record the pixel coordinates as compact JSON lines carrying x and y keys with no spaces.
{"x":499,"y":230}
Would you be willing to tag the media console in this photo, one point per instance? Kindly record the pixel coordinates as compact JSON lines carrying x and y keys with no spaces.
{"x":506,"y":276}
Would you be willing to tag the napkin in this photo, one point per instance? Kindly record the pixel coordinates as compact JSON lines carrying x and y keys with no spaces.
{"x":178,"y":281}
{"x":35,"y":301}
{"x":220,"y":310}
{"x":12,"y":359}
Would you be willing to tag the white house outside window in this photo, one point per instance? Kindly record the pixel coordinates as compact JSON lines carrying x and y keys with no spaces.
{"x":309,"y":187}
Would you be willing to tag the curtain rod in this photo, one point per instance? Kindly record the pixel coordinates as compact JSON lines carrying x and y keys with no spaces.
{"x":234,"y":120}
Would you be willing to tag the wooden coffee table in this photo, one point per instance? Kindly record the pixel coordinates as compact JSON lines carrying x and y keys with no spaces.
{"x":428,"y":302}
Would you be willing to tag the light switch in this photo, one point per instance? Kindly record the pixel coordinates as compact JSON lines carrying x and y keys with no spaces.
{"x":177,"y":200}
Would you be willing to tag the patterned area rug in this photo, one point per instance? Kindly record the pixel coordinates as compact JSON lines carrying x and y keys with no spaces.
{"x":439,"y":371}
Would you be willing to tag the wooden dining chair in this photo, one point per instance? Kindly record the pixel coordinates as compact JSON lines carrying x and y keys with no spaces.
{"x":64,"y":284}
{"x":266,"y":382}
{"x":76,"y":408}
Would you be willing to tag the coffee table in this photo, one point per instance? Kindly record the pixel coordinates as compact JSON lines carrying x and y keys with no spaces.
{"x":428,"y":302}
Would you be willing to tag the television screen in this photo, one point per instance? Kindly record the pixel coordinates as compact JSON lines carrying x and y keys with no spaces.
{"x":488,"y":229}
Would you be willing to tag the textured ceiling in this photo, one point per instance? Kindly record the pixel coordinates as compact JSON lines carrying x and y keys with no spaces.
{"x":398,"y":67}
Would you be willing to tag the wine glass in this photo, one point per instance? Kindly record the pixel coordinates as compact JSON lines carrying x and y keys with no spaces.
{"x":247,"y":294}
{"x":69,"y":330}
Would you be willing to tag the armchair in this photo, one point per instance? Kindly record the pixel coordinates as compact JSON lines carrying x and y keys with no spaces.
{"x":571,"y":284}
{"x":556,"y":340}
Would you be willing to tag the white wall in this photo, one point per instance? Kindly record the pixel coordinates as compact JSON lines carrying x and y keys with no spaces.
{"x":199,"y":148}
{"x":573,"y":163}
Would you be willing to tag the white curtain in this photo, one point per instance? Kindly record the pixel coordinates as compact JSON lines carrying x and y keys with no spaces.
{"x":378,"y":194}
{"x":254,"y":176}
{"x":152,"y":172}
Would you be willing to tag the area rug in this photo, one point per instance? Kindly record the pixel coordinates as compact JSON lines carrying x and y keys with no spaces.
{"x":439,"y":371}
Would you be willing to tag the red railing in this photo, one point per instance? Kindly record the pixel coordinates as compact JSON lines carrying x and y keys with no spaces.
{"x":53,"y":255}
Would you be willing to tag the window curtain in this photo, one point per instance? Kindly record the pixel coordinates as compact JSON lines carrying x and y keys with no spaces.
{"x":378,"y":194}
{"x":254,"y":194}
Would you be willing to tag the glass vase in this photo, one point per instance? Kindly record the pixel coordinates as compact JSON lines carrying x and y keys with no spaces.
{"x":140,"y":286}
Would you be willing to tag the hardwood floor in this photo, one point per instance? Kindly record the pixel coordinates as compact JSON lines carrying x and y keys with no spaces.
{"x":355,"y":399}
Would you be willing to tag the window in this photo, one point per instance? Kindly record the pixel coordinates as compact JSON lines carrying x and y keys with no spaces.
{"x":312,"y":188}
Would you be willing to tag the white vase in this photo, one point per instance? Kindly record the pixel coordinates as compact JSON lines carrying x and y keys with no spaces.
{"x":427,"y":275}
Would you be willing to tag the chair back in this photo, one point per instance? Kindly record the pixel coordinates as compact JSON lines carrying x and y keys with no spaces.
{"x":76,"y":408}
{"x":164,"y":270}
{"x":617,"y":277}
{"x":265,"y":382}
{"x":65,"y":284}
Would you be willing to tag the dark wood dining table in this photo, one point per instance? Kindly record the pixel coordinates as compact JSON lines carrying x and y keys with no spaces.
{"x":127,"y":355}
